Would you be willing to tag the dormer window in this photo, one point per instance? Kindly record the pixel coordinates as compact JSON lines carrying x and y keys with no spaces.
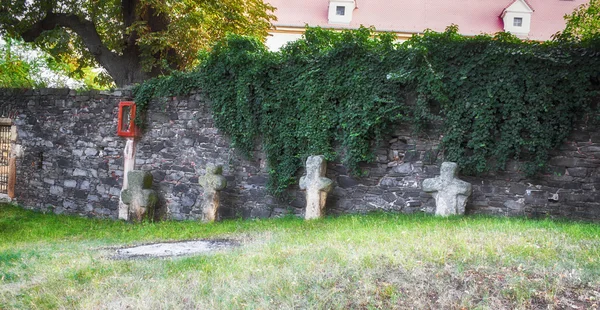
{"x":518,"y":22}
{"x":517,"y":18}
{"x":340,"y":11}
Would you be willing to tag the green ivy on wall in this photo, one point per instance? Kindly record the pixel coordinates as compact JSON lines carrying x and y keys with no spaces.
{"x":335,"y":93}
{"x":502,"y":98}
{"x":328,"y":87}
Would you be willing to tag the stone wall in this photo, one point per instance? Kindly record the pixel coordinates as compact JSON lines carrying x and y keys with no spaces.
{"x":72,"y":163}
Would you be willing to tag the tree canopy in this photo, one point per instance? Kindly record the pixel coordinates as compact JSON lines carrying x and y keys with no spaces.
{"x":583,"y":23}
{"x":17,"y":71}
{"x":131,"y":39}
{"x":24,"y":66}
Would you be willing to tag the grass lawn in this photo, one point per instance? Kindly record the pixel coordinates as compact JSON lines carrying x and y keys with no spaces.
{"x":354,"y":261}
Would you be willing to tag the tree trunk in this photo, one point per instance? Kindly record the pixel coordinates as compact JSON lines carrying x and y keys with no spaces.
{"x":126,"y":70}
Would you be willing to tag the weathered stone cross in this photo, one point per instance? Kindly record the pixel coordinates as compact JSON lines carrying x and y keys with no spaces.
{"x":212,"y":182}
{"x":139,"y":196}
{"x":449,"y":192}
{"x":316,"y":186}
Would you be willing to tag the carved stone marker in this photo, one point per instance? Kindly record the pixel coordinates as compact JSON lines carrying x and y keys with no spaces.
{"x":449,"y":192}
{"x":139,"y":196}
{"x":316,"y":186}
{"x":212,"y":182}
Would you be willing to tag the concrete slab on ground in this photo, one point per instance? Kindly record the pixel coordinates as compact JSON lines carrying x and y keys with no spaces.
{"x":168,"y":249}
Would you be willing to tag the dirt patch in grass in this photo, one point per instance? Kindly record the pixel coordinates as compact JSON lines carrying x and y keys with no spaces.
{"x":170,"y":249}
{"x":487,"y":288}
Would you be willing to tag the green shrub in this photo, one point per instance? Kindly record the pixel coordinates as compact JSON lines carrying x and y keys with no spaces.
{"x":336,"y":93}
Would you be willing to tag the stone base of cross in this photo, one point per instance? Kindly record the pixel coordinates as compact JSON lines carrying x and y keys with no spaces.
{"x":316,"y":186}
{"x":449,"y":192}
{"x":212,"y":183}
{"x":139,"y":197}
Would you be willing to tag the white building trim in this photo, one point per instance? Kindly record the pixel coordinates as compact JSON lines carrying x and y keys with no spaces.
{"x":340,"y":11}
{"x":517,"y":18}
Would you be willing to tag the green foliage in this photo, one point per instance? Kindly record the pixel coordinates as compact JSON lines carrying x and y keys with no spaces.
{"x":330,"y":87}
{"x":177,"y":83}
{"x":583,"y":23}
{"x":16,"y":71}
{"x":496,"y":98}
{"x":24,"y":66}
{"x":500,"y":98}
{"x":240,"y":65}
{"x":131,"y":39}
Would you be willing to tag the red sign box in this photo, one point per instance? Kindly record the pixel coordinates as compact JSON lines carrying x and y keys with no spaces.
{"x":126,"y":126}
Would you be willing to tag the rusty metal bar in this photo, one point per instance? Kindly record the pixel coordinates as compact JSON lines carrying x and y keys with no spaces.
{"x":4,"y":158}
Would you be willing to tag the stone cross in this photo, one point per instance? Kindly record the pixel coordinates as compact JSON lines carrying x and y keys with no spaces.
{"x":449,"y":192}
{"x":212,"y":182}
{"x":139,"y":196}
{"x":316,"y":186}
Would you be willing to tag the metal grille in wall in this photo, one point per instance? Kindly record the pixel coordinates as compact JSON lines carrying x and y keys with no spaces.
{"x":7,"y":111}
{"x":4,"y":153}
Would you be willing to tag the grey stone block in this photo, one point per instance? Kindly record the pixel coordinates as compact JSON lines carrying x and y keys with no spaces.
{"x":56,"y":190}
{"x":70,"y":183}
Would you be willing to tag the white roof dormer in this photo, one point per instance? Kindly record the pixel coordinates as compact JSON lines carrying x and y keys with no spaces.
{"x":340,"y":11}
{"x":517,"y":18}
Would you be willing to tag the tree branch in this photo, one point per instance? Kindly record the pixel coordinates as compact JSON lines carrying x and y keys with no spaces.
{"x":85,"y":29}
{"x":128,"y":8}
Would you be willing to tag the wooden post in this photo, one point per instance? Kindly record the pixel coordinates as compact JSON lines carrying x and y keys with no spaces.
{"x":126,"y":128}
{"x":128,"y":165}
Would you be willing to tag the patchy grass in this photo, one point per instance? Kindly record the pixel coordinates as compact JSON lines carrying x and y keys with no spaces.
{"x":367,"y":261}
